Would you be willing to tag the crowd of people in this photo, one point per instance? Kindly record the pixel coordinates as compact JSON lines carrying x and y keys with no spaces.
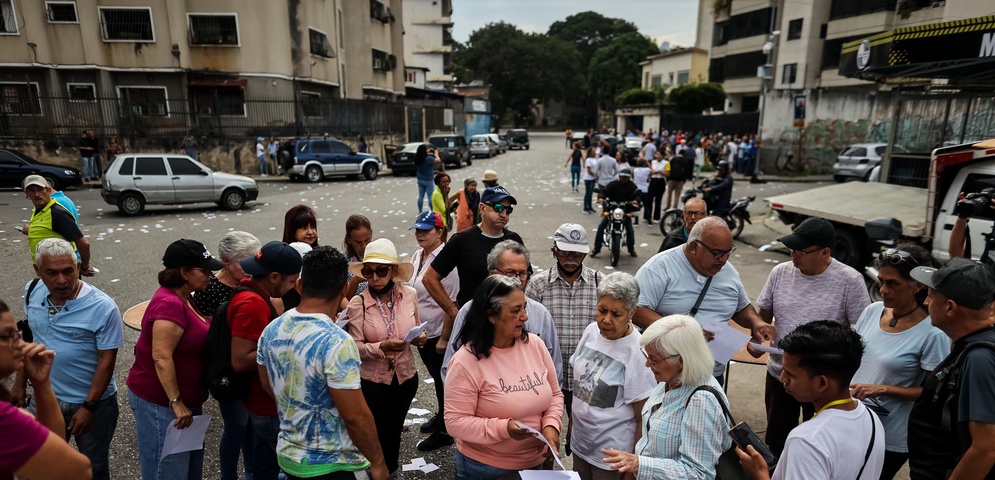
{"x":308,"y":351}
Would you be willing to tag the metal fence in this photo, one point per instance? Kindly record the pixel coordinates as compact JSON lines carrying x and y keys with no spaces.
{"x":152,"y":114}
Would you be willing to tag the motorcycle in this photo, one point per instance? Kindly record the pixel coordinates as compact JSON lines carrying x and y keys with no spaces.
{"x":614,"y":236}
{"x":736,"y":217}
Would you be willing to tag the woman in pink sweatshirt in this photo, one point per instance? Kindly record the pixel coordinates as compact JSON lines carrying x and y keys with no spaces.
{"x":501,"y":380}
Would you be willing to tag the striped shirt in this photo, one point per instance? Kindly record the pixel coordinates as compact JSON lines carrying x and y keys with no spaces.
{"x":572,"y":308}
{"x":681,"y":443}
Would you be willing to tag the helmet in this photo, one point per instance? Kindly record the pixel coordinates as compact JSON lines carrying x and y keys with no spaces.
{"x":723,"y":166}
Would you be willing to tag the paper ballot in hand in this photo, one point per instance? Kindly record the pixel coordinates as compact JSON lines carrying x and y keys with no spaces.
{"x":414,"y":332}
{"x":540,"y":436}
{"x":186,"y":440}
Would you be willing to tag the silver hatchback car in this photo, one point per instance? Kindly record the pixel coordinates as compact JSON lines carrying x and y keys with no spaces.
{"x":857,"y":160}
{"x":136,"y":179}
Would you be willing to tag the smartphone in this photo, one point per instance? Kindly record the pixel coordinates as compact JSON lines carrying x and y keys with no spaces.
{"x":19,"y":228}
{"x":742,"y":435}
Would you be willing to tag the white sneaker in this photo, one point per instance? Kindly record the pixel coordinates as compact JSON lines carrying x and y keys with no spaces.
{"x":264,"y":175}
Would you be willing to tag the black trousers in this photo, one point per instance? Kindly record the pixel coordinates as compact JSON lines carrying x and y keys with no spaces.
{"x":658,"y":186}
{"x":433,"y":362}
{"x":389,"y":405}
{"x":782,"y":414}
{"x":893,"y":462}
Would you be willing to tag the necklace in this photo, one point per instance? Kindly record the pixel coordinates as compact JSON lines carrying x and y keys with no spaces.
{"x":896,"y":318}
{"x":54,"y":309}
{"x":833,"y":404}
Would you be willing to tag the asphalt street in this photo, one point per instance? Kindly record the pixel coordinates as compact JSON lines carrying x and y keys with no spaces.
{"x":128,"y":252}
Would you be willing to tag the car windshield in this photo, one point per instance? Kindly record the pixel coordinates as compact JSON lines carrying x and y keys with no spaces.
{"x":517,"y":133}
{"x":478,"y":139}
{"x":442,"y":142}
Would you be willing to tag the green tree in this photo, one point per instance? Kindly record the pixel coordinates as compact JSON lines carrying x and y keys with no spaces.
{"x":589,"y":31}
{"x":637,"y":96}
{"x":615,"y":67}
{"x":694,"y":98}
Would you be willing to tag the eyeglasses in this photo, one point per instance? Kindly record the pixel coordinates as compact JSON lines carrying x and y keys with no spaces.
{"x":12,"y":338}
{"x":803,"y":252}
{"x":895,"y":257}
{"x":499,"y":208}
{"x":573,"y":255}
{"x":654,"y":362}
{"x":521,"y":276}
{"x":381,"y":272}
{"x":718,"y":254}
{"x":694,"y":214}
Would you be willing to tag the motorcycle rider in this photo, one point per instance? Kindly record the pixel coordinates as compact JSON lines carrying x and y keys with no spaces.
{"x":624,"y":191}
{"x":718,"y":192}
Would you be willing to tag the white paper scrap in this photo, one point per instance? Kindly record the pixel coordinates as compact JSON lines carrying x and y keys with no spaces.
{"x":429,"y":468}
{"x":767,"y":348}
{"x":186,"y":440}
{"x":727,"y":342}
{"x":419,"y":411}
{"x":342,"y":320}
{"x":415,"y":332}
{"x":548,"y":475}
{"x":540,"y":436}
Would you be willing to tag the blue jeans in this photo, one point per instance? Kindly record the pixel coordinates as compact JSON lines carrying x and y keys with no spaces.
{"x":88,"y":167}
{"x":470,"y":469}
{"x":236,"y":437}
{"x":151,"y":422}
{"x":263,"y":166}
{"x":574,"y":176}
{"x":425,"y":189}
{"x":265,"y":431}
{"x":588,"y":192}
{"x":94,"y":444}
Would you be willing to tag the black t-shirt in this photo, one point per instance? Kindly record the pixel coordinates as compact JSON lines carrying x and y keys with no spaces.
{"x":575,"y":158}
{"x":64,"y":224}
{"x":467,"y":252}
{"x":680,"y":169}
{"x":934,"y":451}
{"x":673,"y":239}
{"x":619,"y":192}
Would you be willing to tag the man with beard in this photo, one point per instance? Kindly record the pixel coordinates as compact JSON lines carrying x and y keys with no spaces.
{"x":569,"y":292}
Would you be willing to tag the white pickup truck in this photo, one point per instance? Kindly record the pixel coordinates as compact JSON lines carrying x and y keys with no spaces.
{"x":926,"y":215}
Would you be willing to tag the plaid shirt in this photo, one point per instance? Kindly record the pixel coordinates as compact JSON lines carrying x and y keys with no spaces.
{"x":678,"y":442}
{"x":572,"y":308}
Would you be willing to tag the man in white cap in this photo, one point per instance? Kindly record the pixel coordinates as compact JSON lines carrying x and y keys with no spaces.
{"x":569,"y":292}
{"x":49,"y":219}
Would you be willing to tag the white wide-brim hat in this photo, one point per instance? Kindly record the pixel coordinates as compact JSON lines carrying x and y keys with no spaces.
{"x":382,"y":251}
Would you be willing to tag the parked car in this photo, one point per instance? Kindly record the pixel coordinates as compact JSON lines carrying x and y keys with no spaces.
{"x":502,"y":145}
{"x":577,"y":137}
{"x":482,"y":146}
{"x":518,"y":138}
{"x":451,"y":149}
{"x":134,"y":180}
{"x":611,"y":139}
{"x":315,"y":158}
{"x":402,"y":161}
{"x":14,"y":166}
{"x":857,"y":160}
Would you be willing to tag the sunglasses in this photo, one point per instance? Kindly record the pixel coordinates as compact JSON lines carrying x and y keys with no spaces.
{"x":499,"y":208}
{"x":896,"y":257}
{"x":381,"y":272}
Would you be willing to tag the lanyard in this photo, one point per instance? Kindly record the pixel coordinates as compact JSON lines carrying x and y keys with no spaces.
{"x":833,"y":404}
{"x":388,"y":319}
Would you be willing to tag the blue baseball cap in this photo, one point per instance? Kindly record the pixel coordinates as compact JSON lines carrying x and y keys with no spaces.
{"x":427,"y":221}
{"x":496,"y":194}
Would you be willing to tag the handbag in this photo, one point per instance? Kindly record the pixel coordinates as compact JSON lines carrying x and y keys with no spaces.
{"x":728,"y":467}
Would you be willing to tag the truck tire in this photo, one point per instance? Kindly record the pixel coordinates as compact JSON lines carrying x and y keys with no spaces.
{"x":849,"y":249}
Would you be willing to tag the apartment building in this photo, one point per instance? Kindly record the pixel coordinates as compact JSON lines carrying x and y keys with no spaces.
{"x":675,"y":67}
{"x":428,"y":41}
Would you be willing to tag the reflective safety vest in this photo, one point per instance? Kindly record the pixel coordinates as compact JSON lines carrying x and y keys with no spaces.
{"x":40,"y":227}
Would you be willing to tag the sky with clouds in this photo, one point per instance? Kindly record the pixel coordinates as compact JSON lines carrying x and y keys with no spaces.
{"x":674,"y":21}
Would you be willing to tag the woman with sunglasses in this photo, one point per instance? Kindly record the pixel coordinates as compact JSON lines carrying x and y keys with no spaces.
{"x":33,"y":447}
{"x":501,"y":380}
{"x":611,"y":381}
{"x":379,"y":320}
{"x":165,"y":384}
{"x":902,"y":348}
{"x":683,"y":423}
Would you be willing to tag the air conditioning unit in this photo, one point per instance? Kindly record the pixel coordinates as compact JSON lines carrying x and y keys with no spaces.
{"x":764,"y":71}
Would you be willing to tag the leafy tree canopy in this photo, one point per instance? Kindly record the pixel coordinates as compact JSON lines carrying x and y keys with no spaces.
{"x":637,"y":96}
{"x":589,"y":31}
{"x":694,"y":98}
{"x":615,"y":67}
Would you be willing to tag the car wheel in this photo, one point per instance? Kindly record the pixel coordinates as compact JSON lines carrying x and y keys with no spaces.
{"x":314,"y":174}
{"x":839,"y":178}
{"x":54,"y":182}
{"x":459,"y":162}
{"x":469,"y":160}
{"x":131,"y":204}
{"x":526,"y":147}
{"x":232,"y":199}
{"x":370,"y":171}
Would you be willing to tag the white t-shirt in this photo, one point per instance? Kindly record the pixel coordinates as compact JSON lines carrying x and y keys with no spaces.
{"x":699,"y":156}
{"x":837,"y":294}
{"x":733,"y":149}
{"x":660,"y":165}
{"x":260,"y":149}
{"x":609,"y":376}
{"x":900,"y":359}
{"x":641,"y":177}
{"x":592,"y":163}
{"x":832,"y":446}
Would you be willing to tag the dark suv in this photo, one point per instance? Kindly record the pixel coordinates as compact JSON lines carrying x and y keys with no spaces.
{"x":451,"y":149}
{"x":518,"y":138}
{"x":317,"y":158}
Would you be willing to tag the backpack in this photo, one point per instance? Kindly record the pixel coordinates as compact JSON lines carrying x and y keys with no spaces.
{"x":948,"y":383}
{"x":220,"y":377}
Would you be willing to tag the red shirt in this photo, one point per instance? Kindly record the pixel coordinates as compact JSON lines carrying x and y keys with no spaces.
{"x":248,"y":314}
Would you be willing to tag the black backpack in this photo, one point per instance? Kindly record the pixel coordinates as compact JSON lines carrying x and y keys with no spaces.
{"x":220,"y":378}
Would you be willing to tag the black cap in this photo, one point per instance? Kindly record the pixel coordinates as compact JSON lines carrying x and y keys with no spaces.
{"x":190,"y":253}
{"x":814,"y":231}
{"x":275,"y":257}
{"x":968,"y":283}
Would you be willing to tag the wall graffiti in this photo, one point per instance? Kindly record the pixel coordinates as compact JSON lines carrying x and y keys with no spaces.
{"x":819,"y":142}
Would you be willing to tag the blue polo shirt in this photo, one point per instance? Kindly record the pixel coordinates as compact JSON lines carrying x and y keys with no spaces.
{"x":87,"y":324}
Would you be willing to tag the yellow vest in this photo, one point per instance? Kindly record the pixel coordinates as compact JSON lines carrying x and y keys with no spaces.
{"x":40,"y":228}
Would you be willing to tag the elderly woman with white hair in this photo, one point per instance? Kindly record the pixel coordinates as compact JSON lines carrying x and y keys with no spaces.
{"x":611,"y":381}
{"x":683,"y":422}
{"x":233,"y":247}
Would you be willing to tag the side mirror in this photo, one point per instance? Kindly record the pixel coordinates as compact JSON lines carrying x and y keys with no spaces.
{"x":885,"y":229}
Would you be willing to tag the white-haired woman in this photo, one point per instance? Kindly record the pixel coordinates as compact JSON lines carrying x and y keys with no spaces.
{"x":683,"y":423}
{"x":611,"y":381}
{"x":233,"y":247}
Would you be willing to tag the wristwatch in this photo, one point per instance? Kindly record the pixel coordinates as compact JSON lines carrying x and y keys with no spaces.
{"x":175,"y":400}
{"x":91,"y":406}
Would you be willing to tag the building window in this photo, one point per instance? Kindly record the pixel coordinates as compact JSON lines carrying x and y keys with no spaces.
{"x":795,"y":29}
{"x":319,"y":43}
{"x":20,"y":99}
{"x":379,"y":12}
{"x":61,"y":12}
{"x":852,"y":8}
{"x":823,"y":30}
{"x":341,"y":35}
{"x":82,"y":92}
{"x":8,"y":19}
{"x":225,"y":101}
{"x":788,"y":73}
{"x":646,"y":80}
{"x":382,"y":61}
{"x":671,"y":79}
{"x":656,"y":81}
{"x":126,"y":24}
{"x":144,"y":101}
{"x":683,"y":77}
{"x":311,"y":104}
{"x":213,"y":29}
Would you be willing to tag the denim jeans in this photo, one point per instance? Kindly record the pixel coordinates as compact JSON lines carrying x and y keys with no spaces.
{"x":88,"y":167}
{"x":236,"y":437}
{"x":151,"y":422}
{"x":588,"y":192}
{"x":265,"y":431}
{"x":98,"y":169}
{"x":470,"y":469}
{"x":574,"y":176}
{"x":425,"y":189}
{"x":263,"y":166}
{"x":96,"y":443}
